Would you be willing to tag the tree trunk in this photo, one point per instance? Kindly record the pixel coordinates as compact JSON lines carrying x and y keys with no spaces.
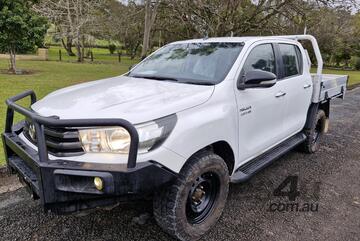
{"x":68,"y":46}
{"x":146,"y":29}
{"x":134,"y":50}
{"x":12,"y":53}
{"x":150,"y":16}
{"x":146,"y":41}
{"x":82,"y":48}
{"x":78,"y":51}
{"x":80,"y":57}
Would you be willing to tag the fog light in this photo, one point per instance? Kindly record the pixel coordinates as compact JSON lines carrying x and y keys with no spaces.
{"x":99,"y":184}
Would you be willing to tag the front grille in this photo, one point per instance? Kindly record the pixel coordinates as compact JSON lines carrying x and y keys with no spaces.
{"x":59,"y":141}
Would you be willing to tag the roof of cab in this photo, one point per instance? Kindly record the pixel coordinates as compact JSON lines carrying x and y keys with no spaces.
{"x":233,"y":39}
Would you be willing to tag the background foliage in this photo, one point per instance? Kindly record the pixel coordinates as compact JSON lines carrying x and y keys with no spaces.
{"x":21,"y":29}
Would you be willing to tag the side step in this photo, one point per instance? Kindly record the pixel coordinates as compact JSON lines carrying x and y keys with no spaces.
{"x":249,"y":169}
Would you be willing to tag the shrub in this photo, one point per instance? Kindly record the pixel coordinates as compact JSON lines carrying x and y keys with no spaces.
{"x":357,"y":63}
{"x":112,"y":48}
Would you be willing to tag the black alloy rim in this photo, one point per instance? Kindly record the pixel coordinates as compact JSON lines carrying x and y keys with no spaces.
{"x":202,"y":197}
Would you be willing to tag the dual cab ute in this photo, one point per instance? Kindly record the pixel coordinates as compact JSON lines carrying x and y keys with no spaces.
{"x":179,"y":126}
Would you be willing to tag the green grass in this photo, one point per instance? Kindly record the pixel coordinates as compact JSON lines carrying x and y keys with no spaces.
{"x":49,"y":76}
{"x":354,"y":76}
{"x":101,"y":55}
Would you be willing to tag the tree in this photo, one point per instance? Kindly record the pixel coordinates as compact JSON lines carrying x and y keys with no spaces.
{"x":74,"y":19}
{"x":356,"y":34}
{"x":123,"y":23}
{"x":223,"y":17}
{"x":150,"y":8}
{"x":21,"y":29}
{"x":331,"y":23}
{"x":67,"y":42}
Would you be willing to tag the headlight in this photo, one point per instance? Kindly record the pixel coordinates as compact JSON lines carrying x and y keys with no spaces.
{"x":114,"y":139}
{"x":117,"y":139}
{"x":153,"y":133}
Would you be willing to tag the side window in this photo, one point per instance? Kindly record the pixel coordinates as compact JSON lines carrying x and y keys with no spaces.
{"x":291,"y":57}
{"x":262,"y":58}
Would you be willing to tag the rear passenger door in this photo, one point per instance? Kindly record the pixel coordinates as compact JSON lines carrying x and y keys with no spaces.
{"x":297,"y":85}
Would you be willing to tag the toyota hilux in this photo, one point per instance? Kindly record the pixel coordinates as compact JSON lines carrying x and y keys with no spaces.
{"x":178,"y":127}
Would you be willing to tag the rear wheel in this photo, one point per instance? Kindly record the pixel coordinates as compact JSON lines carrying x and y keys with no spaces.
{"x":314,"y":133}
{"x":192,"y":205}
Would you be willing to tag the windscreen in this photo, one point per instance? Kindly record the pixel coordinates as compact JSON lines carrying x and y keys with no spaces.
{"x":193,"y":63}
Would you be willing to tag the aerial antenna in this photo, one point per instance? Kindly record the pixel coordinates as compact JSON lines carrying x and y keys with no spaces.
{"x":305,"y":30}
{"x":232,"y":34}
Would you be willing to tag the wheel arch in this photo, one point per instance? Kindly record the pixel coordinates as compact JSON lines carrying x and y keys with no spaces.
{"x":222,"y":149}
{"x":312,"y":115}
{"x":313,"y":110}
{"x":326,"y":108}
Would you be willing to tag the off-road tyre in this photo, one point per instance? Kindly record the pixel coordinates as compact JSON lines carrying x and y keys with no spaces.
{"x":314,"y":133}
{"x":174,"y":205}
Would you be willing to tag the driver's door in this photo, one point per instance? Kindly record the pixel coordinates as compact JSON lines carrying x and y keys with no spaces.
{"x":260,"y":110}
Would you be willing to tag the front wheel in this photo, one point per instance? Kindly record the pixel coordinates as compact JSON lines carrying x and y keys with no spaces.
{"x":193,"y":204}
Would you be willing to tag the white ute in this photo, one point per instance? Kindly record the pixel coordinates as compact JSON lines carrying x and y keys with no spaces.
{"x":180,"y":125}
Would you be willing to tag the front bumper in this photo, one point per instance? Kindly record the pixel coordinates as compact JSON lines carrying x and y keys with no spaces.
{"x":68,"y":186}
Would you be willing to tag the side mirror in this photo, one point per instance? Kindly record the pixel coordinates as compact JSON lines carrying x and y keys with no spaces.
{"x":257,"y":79}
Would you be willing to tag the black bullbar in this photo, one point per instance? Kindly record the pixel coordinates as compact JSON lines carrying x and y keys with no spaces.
{"x":65,"y":186}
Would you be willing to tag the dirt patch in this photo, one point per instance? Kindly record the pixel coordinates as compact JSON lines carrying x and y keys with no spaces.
{"x":3,"y":171}
{"x":351,"y":87}
{"x":9,"y":183}
{"x":18,"y":72}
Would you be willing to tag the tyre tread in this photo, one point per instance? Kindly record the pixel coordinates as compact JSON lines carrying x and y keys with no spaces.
{"x":166,"y":200}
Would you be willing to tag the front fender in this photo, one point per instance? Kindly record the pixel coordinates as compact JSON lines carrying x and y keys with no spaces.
{"x":198,"y":127}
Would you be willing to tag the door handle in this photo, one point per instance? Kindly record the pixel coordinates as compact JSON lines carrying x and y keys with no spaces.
{"x":307,"y":86}
{"x":280,"y":94}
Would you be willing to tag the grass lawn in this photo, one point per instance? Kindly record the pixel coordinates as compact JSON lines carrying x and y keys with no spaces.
{"x":49,"y":76}
{"x":354,"y":76}
{"x":52,"y":75}
{"x":100,"y":55}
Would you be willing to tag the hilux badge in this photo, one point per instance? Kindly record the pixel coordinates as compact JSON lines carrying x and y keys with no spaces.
{"x":245,"y":110}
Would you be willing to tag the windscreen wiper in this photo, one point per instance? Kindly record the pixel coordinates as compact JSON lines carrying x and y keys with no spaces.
{"x":155,"y":77}
{"x":198,"y":82}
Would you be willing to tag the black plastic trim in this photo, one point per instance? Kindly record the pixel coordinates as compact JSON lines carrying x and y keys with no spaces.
{"x":311,"y":115}
{"x":67,"y":186}
{"x":250,"y":168}
{"x":63,"y":181}
{"x":279,"y":62}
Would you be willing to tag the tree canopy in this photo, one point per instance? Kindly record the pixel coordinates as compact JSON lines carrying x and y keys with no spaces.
{"x":20,"y":28}
{"x":142,"y":25}
{"x":333,"y":22}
